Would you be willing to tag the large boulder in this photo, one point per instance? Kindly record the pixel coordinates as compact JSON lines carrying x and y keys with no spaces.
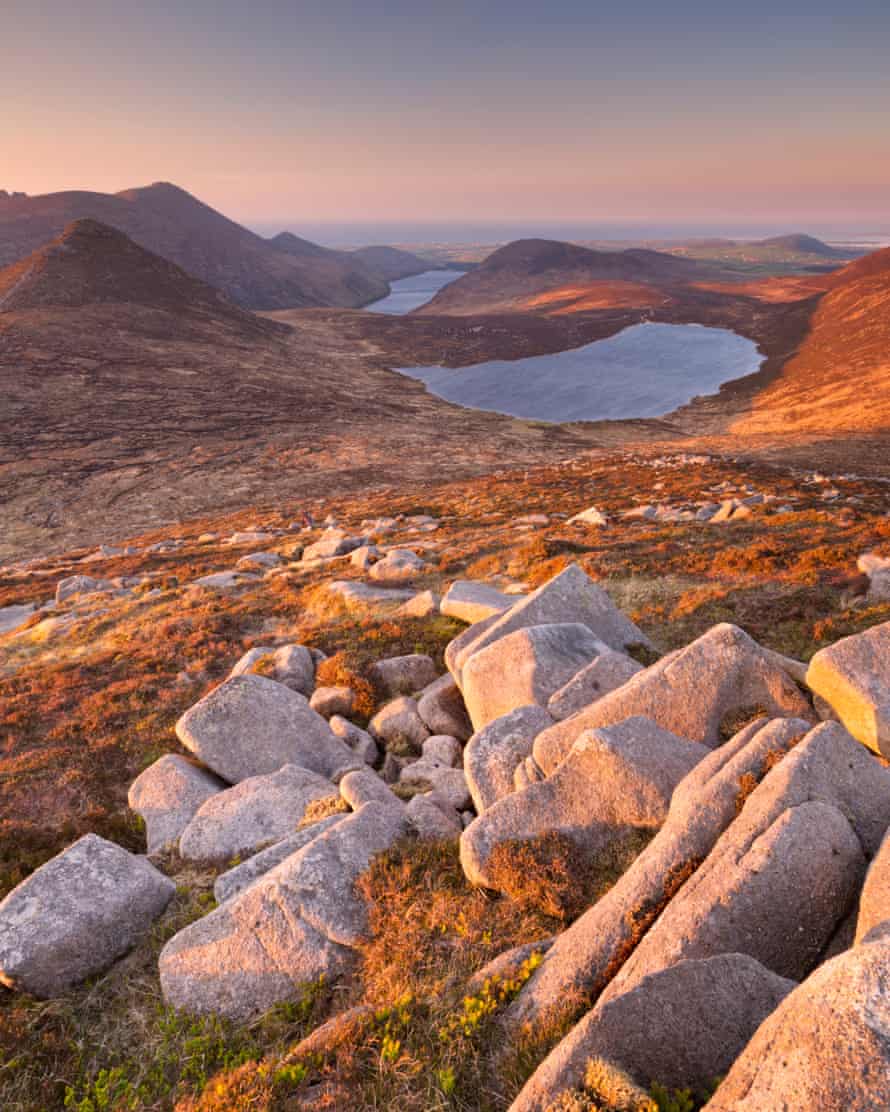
{"x":75,"y":915}
{"x":873,"y":916}
{"x":701,"y":692}
{"x":853,"y":677}
{"x":299,"y":922}
{"x":292,"y":665}
{"x":587,"y":954}
{"x":796,"y":854}
{"x":493,"y":753}
{"x":256,"y":811}
{"x":825,"y":1047}
{"x":605,"y":673}
{"x":469,"y":601}
{"x":251,"y":726}
{"x":614,"y":781}
{"x":167,"y":795}
{"x":524,"y":667}
{"x":235,"y":880}
{"x":443,"y":711}
{"x":403,"y":675}
{"x":681,"y":1027}
{"x":571,"y":596}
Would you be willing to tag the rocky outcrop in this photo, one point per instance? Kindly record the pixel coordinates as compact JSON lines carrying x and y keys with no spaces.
{"x":251,"y":726}
{"x":825,"y":1047}
{"x":701,"y":692}
{"x":76,"y":914}
{"x":301,"y":921}
{"x":442,"y":709}
{"x":585,"y":957}
{"x":681,"y":1027}
{"x":606,"y":672}
{"x":614,"y":781}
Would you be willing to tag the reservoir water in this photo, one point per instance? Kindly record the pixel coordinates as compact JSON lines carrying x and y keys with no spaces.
{"x":645,"y":371}
{"x":409,"y":293}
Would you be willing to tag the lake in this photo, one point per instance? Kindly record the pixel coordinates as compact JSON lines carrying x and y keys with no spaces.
{"x":408,"y":293}
{"x":646,"y":370}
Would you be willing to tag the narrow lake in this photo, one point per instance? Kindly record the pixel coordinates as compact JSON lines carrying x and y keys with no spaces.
{"x":409,"y":293}
{"x":645,"y":371}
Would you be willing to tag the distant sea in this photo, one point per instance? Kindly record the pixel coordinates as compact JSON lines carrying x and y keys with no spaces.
{"x":355,"y":235}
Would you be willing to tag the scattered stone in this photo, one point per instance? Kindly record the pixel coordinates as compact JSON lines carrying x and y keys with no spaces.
{"x":443,"y":749}
{"x":248,"y":537}
{"x":260,"y":560}
{"x":13,"y":617}
{"x":442,"y":709}
{"x":359,"y":788}
{"x":590,"y":516}
{"x":825,"y":1047}
{"x":167,"y":795}
{"x":360,"y":596}
{"x":606,"y":672}
{"x":614,"y":780}
{"x":469,"y":601}
{"x":74,"y":585}
{"x":399,"y":726}
{"x":251,"y":726}
{"x":681,"y":1027}
{"x":494,"y":753}
{"x":299,"y":922}
{"x":703,"y":692}
{"x":333,"y":542}
{"x":403,"y":675}
{"x":525,"y":667}
{"x":72,"y":917}
{"x":364,"y":556}
{"x":853,"y":677}
{"x":399,"y":565}
{"x":422,"y":605}
{"x":221,"y":581}
{"x":328,"y":701}
{"x":256,"y":811}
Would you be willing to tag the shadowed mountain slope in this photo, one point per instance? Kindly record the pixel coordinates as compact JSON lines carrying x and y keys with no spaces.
{"x":391,"y":262}
{"x":170,"y":222}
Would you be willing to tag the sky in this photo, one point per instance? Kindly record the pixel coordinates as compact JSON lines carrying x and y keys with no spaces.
{"x":451,"y":114}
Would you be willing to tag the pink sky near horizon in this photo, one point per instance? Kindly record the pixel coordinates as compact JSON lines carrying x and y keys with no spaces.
{"x":463,"y":120}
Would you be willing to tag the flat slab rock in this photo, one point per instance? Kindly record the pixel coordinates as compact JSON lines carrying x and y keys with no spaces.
{"x":469,"y":601}
{"x":299,"y":922}
{"x":75,"y":915}
{"x":252,"y":726}
{"x":259,"y":810}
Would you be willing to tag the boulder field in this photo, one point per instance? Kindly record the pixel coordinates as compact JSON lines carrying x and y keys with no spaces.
{"x":748,"y":938}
